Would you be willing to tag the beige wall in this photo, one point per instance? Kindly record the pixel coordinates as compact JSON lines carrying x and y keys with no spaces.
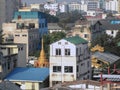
{"x":29,"y":85}
{"x":30,"y":37}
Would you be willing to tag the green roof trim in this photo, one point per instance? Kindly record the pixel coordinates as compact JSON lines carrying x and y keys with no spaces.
{"x":76,"y":40}
{"x":118,"y":44}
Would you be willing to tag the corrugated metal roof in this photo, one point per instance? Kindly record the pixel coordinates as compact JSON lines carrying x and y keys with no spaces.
{"x":111,"y":58}
{"x":76,"y":40}
{"x":109,"y":77}
{"x":28,"y":74}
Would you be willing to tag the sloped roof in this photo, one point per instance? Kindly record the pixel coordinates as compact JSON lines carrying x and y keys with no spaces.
{"x":53,"y":26}
{"x":115,"y":78}
{"x":28,"y":74}
{"x":111,"y":58}
{"x":108,"y":25}
{"x":76,"y":40}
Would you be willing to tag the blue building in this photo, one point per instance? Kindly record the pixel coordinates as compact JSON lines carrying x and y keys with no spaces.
{"x":32,"y":19}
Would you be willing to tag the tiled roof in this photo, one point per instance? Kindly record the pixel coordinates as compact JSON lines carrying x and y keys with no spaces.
{"x":28,"y":74}
{"x":76,"y":40}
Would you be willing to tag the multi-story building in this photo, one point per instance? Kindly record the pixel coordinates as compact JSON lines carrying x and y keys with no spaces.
{"x":93,"y":5}
{"x":7,"y":9}
{"x":110,"y":27}
{"x":118,"y":6}
{"x":111,"y":5}
{"x":26,"y":28}
{"x":52,"y":7}
{"x":77,"y":6}
{"x":19,"y":50}
{"x":20,"y":33}
{"x":69,"y":60}
{"x":82,"y":29}
{"x":33,"y":19}
{"x":63,"y":8}
{"x":7,"y":64}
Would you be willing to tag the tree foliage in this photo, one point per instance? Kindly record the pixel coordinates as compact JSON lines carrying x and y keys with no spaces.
{"x":108,"y":42}
{"x":48,"y":39}
{"x":70,"y":17}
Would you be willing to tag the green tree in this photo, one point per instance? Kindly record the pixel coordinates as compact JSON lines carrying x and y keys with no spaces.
{"x":105,"y":41}
{"x":48,"y":39}
{"x":51,"y":38}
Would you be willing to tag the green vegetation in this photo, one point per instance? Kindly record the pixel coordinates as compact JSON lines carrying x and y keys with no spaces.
{"x":48,"y":39}
{"x":109,"y":43}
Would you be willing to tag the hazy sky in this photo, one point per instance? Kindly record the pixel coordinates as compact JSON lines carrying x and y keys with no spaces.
{"x":40,"y":1}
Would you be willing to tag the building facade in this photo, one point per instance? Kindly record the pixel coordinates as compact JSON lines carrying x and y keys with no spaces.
{"x":111,"y":5}
{"x":69,"y":60}
{"x":7,"y":9}
{"x":7,"y":63}
{"x":19,"y":49}
{"x":82,"y":29}
{"x":93,"y":5}
{"x":19,"y":33}
{"x":33,"y":19}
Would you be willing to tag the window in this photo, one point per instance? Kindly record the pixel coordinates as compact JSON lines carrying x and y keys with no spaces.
{"x":58,"y":51}
{"x":56,"y":68}
{"x":24,"y":35}
{"x":31,"y":25}
{"x":8,"y":65}
{"x":68,"y":69}
{"x":77,"y":68}
{"x":112,"y":32}
{"x":59,"y":42}
{"x":88,"y":64}
{"x":66,"y":43}
{"x":85,"y":35}
{"x":76,"y":51}
{"x":67,"y":51}
{"x":17,"y":35}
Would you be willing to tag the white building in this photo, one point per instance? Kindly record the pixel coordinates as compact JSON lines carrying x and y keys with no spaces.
{"x":78,"y":6}
{"x":63,"y":8}
{"x":111,"y":5}
{"x":69,"y":60}
{"x":93,"y":5}
{"x":52,"y":7}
